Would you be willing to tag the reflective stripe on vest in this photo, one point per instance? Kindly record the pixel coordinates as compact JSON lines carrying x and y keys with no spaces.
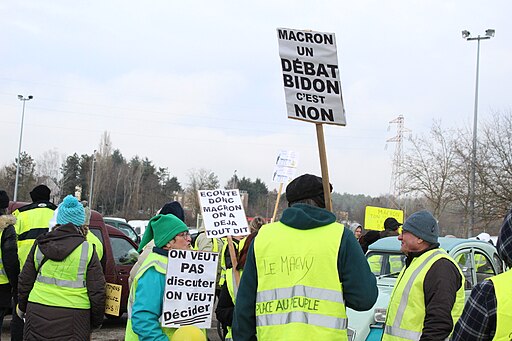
{"x":62,"y":283}
{"x":299,"y":294}
{"x":29,"y":225}
{"x":423,"y":262}
{"x":503,"y":291}
{"x":80,"y":278}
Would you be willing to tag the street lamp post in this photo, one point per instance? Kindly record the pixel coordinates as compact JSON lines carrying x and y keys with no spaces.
{"x":92,"y":178}
{"x":23,"y":99}
{"x":467,"y":35}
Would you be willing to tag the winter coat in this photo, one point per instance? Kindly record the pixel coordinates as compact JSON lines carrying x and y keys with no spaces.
{"x":9,"y":260}
{"x":45,"y":322}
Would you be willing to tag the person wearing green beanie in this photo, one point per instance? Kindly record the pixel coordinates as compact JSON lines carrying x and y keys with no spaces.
{"x":162,"y":228}
{"x":148,"y":286}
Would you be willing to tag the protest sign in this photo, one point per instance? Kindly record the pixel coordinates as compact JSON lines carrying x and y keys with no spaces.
{"x":311,"y":76}
{"x":374,"y":217}
{"x":112,"y":299}
{"x":286,"y":166}
{"x":189,"y":288}
{"x":223,"y":213}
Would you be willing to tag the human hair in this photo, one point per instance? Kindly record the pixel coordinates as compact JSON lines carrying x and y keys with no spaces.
{"x":256,"y":223}
{"x":308,"y":201}
{"x":242,"y":256}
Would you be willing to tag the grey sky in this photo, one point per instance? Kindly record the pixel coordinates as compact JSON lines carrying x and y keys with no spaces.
{"x":197,"y":84}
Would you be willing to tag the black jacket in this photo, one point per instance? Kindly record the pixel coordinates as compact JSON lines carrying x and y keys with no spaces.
{"x":9,"y":260}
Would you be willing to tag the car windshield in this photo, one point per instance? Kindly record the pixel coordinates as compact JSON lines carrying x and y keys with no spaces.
{"x":385,"y":264}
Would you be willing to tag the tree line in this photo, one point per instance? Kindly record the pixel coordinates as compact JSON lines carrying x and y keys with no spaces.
{"x":434,"y":174}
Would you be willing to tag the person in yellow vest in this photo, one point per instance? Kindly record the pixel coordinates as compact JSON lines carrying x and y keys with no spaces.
{"x":146,"y":244}
{"x":147,"y":290}
{"x":203,"y":243}
{"x":301,"y":273}
{"x":487,"y":314}
{"x":62,"y":287}
{"x":428,"y":296}
{"x":9,"y":264}
{"x":227,"y":297}
{"x":31,"y":221}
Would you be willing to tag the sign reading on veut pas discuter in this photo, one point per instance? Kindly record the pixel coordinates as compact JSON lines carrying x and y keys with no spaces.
{"x":189,"y":288}
{"x":311,"y":76}
{"x":223,"y":213}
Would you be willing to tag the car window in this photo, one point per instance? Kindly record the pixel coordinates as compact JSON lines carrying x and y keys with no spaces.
{"x":375,"y":261}
{"x":483,"y":267}
{"x":97,"y":233}
{"x":464,"y":261}
{"x":126,"y":229}
{"x":124,"y":252}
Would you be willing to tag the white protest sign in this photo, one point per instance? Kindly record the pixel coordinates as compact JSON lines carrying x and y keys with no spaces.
{"x":189,"y":288}
{"x":223,"y":213}
{"x":311,"y":76}
{"x":286,"y":166}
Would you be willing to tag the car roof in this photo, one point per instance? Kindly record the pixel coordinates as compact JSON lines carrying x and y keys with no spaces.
{"x":393,"y":244}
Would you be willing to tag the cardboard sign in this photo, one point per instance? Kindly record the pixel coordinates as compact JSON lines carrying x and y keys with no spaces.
{"x":113,"y":299}
{"x":311,"y":76}
{"x":223,"y":213}
{"x":286,"y":166}
{"x":189,"y":288}
{"x":374,"y":217}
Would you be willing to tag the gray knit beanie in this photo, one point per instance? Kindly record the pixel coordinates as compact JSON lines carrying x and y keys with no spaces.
{"x":423,"y":225}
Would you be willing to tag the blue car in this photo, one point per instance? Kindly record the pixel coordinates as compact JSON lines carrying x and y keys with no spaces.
{"x":478,"y":260}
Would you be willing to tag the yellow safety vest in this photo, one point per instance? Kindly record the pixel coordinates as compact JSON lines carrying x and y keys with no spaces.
{"x":233,"y":290}
{"x":406,"y":311}
{"x":153,"y":260}
{"x":62,"y":283}
{"x":215,"y":246}
{"x":223,"y":265}
{"x":299,"y":294}
{"x":31,"y":221}
{"x":91,"y":238}
{"x":3,"y":274}
{"x":503,"y":291}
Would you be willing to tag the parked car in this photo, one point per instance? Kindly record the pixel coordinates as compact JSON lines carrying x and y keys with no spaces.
{"x":477,"y":259}
{"x":124,"y":227}
{"x":139,"y":226}
{"x":119,"y":254}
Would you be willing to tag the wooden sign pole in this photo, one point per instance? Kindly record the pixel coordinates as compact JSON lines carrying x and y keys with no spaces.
{"x":323,"y":165}
{"x":234,"y":260}
{"x":277,"y":202}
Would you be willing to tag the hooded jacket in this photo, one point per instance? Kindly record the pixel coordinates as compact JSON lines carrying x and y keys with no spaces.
{"x":56,"y":246}
{"x":9,"y":260}
{"x":359,"y":284}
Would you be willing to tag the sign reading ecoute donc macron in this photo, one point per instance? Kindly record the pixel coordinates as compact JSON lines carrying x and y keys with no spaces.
{"x":311,"y":76}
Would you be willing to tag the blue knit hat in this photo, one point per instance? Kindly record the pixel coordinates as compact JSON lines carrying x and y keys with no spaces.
{"x":71,"y":211}
{"x":423,"y":225}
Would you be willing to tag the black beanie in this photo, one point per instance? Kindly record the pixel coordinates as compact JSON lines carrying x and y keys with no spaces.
{"x":174,"y":208}
{"x":4,"y":199}
{"x":40,"y":193}
{"x":306,"y":186}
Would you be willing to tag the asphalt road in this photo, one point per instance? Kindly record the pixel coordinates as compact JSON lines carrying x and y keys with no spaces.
{"x":112,"y":330}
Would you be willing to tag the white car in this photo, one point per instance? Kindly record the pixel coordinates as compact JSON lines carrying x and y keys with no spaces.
{"x":477,"y":259}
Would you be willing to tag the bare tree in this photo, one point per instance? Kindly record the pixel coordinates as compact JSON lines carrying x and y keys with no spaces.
{"x":428,"y":168}
{"x":495,"y":166}
{"x":199,"y":179}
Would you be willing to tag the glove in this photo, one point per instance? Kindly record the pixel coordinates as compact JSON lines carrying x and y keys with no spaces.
{"x":20,"y":313}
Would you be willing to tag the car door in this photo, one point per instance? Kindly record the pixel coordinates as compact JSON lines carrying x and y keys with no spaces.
{"x":125,"y":255}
